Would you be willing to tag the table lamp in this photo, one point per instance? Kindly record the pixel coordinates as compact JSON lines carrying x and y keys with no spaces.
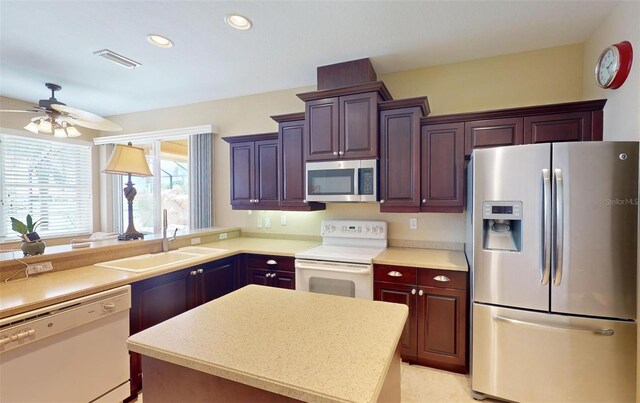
{"x":128,"y":160}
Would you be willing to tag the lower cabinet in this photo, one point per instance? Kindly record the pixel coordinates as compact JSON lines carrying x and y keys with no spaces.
{"x":436,"y":331}
{"x":162,"y":297}
{"x":272,"y":271}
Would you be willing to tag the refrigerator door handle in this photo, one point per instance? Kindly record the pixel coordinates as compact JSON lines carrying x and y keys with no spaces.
{"x":545,"y":251}
{"x":559,"y":228}
{"x":598,"y":332}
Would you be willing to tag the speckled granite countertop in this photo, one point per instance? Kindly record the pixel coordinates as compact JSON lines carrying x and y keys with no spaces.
{"x":342,"y":351}
{"x":425,"y":258}
{"x":57,"y":286}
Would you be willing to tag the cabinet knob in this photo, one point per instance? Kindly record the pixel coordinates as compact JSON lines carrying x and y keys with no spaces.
{"x":271,"y":262}
{"x":304,"y":201}
{"x":335,"y":153}
{"x":193,"y":272}
{"x":200,"y":271}
{"x":443,"y":279}
{"x":382,"y":201}
{"x":413,"y":291}
{"x":421,"y":293}
{"x":424,"y":201}
{"x":273,"y":275}
{"x":341,"y":152}
{"x":394,"y":274}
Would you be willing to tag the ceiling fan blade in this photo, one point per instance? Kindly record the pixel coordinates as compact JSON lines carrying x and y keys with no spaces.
{"x":86,"y":119}
{"x":20,"y":111}
{"x":103,"y":125}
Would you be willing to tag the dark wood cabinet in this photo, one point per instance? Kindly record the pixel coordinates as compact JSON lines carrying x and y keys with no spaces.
{"x":162,"y":297}
{"x":270,"y":270}
{"x":492,"y":133}
{"x":254,"y":171}
{"x":343,"y":122}
{"x":292,"y":163}
{"x":436,"y":331}
{"x":574,"y":126}
{"x":442,"y":150}
{"x":400,"y":160}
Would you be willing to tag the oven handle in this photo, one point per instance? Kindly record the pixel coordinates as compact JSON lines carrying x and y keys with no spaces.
{"x":334,"y":268}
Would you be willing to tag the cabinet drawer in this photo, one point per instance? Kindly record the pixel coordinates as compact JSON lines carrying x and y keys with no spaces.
{"x":445,"y":278}
{"x":394,"y":274}
{"x":285,"y":263}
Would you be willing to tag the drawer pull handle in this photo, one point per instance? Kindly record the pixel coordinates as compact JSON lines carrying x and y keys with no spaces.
{"x":271,"y":262}
{"x":443,"y":279}
{"x":394,"y":274}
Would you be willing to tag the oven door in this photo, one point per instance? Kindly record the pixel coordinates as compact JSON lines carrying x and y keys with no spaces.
{"x":353,"y":280}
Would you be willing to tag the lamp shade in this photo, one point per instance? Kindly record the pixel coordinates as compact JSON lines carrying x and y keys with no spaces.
{"x":128,"y":160}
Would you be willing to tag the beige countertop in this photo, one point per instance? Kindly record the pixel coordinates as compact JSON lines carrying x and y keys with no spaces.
{"x":53,"y":287}
{"x":307,"y":346}
{"x":424,"y":258}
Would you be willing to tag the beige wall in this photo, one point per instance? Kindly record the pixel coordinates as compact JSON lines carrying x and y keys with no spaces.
{"x":622,"y":111}
{"x":538,"y":77}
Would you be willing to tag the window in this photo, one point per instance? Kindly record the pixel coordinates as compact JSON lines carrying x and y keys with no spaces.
{"x":47,"y":179}
{"x":169,"y":163}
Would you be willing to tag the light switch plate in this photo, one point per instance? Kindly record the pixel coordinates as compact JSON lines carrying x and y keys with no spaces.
{"x":267,"y":222}
{"x":413,"y":223}
{"x":223,"y":235}
{"x":195,"y":241}
{"x":39,"y":267}
{"x":283,"y":220}
{"x":259,"y":223}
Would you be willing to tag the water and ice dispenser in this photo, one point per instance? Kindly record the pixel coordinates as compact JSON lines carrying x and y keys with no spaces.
{"x":502,"y":225}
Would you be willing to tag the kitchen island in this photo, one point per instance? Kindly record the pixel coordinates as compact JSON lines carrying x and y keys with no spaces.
{"x":267,"y":344}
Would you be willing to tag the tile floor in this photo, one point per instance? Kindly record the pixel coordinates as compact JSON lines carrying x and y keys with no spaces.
{"x":424,"y":385}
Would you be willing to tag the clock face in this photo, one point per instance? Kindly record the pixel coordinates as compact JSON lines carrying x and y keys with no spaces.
{"x":607,"y":66}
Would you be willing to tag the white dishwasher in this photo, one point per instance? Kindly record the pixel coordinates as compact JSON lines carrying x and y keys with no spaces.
{"x":74,"y":351}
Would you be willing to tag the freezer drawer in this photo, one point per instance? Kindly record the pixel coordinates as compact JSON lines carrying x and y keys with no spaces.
{"x":535,"y":357}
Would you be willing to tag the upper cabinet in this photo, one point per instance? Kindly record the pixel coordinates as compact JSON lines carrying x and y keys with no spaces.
{"x":343,"y":123}
{"x":254,"y":171}
{"x":492,"y":133}
{"x":291,"y":161}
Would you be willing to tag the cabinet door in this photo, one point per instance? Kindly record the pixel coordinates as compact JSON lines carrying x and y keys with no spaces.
{"x":217,"y":279}
{"x":242,"y":174}
{"x":359,"y":126}
{"x":258,"y":276}
{"x":266,"y":186}
{"x":283,"y":279}
{"x":442,"y":168}
{"x":492,"y":133}
{"x":401,"y":294}
{"x":400,"y":160}
{"x":574,"y":126}
{"x":321,"y":124}
{"x":442,"y":328}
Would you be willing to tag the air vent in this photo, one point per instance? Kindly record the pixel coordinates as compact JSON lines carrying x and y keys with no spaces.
{"x":118,"y":59}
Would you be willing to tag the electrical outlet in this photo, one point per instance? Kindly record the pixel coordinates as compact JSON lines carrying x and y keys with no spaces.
{"x":195,"y":241}
{"x":413,"y":223}
{"x":259,"y":223}
{"x":283,"y":220}
{"x":267,"y":222}
{"x":223,"y":235}
{"x":39,"y":267}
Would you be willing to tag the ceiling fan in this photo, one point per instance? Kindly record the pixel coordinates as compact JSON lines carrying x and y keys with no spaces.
{"x":61,"y":119}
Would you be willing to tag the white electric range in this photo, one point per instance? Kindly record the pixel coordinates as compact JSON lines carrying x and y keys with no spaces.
{"x":343,"y":264}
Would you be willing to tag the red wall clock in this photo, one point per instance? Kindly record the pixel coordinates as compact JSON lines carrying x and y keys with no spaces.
{"x":614,"y":65}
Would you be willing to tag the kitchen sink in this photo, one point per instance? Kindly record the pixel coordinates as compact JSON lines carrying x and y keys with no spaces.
{"x":150,"y":261}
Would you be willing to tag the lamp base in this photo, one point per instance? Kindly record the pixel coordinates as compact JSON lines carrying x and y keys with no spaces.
{"x":130,"y":236}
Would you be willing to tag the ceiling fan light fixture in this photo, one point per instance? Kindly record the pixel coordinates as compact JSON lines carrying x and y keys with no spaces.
{"x":32,"y":127}
{"x":118,"y":59}
{"x":60,"y":132}
{"x":238,"y":21}
{"x":159,"y":41}
{"x":72,"y":131}
{"x":45,"y":126}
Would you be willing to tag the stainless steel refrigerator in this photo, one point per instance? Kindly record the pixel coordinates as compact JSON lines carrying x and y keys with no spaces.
{"x":552,"y":242}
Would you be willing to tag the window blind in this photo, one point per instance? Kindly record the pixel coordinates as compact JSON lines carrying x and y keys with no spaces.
{"x":47,"y":179}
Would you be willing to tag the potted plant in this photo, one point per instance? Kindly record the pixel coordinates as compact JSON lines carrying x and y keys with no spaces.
{"x":31,"y":242}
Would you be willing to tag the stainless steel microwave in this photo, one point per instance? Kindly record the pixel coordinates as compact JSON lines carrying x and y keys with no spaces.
{"x":342,"y":181}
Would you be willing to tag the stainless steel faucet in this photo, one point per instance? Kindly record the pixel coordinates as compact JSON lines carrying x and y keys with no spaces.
{"x":166,"y":241}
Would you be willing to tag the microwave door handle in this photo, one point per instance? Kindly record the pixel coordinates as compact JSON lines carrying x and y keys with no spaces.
{"x":356,"y":181}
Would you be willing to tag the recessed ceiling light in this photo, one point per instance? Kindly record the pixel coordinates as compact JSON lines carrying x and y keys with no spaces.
{"x":237,"y":21}
{"x":159,"y":41}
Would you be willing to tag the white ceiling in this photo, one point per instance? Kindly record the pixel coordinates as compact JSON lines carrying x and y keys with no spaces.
{"x":54,"y":41}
